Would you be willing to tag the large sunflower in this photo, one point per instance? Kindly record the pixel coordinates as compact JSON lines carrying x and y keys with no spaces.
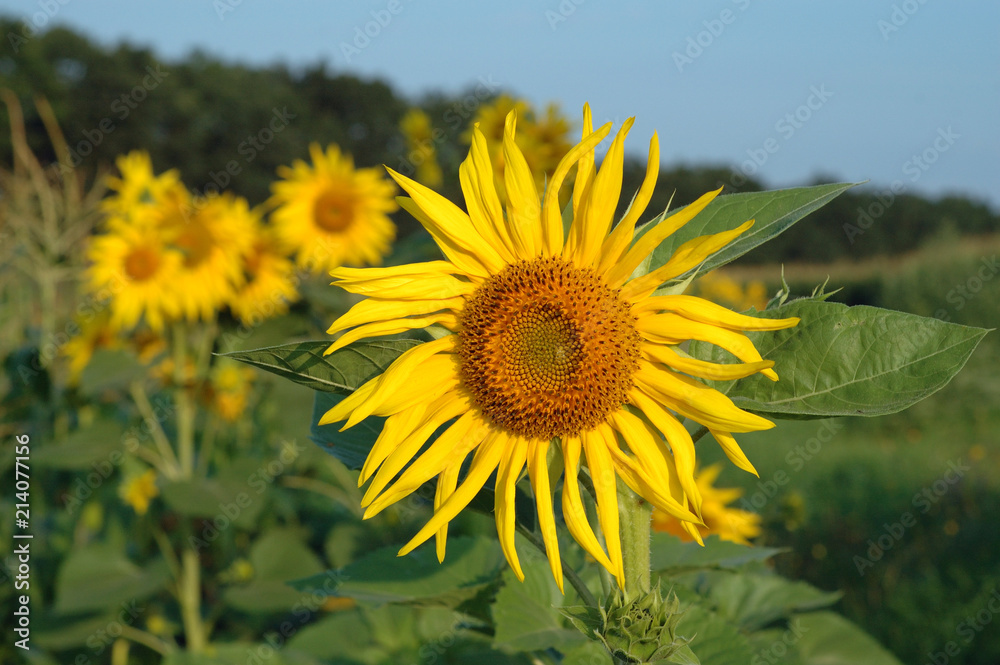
{"x":332,"y":214}
{"x":554,"y":346}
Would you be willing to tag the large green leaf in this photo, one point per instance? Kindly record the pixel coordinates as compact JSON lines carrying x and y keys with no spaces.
{"x":343,"y":371}
{"x":829,"y":639}
{"x":525,"y":613}
{"x":277,"y":557}
{"x":671,"y":556}
{"x":100,"y":576}
{"x":773,"y":211}
{"x":714,"y":640}
{"x":416,"y":579}
{"x":848,"y":361}
{"x":755,"y":601}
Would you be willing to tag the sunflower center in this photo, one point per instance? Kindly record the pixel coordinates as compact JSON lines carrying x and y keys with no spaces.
{"x":547,"y":349}
{"x":333,"y":210}
{"x":141,"y":263}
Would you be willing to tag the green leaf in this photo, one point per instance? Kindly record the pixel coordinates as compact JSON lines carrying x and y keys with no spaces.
{"x":670,"y":555}
{"x":277,"y":557}
{"x":237,"y":494}
{"x":829,"y":639}
{"x":774,"y":212}
{"x":754,"y":601}
{"x":110,"y":369}
{"x":99,"y":576}
{"x":714,"y":640}
{"x":85,"y":448}
{"x":526,"y":614}
{"x":847,"y":361}
{"x":350,"y":446}
{"x":343,"y":371}
{"x":416,"y":579}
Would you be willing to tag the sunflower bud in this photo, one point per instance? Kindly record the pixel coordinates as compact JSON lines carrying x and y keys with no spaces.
{"x":642,"y":630}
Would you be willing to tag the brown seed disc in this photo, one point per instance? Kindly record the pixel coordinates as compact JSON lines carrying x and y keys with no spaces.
{"x":547,"y":349}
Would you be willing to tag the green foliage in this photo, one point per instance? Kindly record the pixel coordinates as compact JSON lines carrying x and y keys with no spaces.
{"x":848,"y":361}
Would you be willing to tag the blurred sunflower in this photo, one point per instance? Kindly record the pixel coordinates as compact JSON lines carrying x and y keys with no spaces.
{"x":727,"y":523}
{"x":725,"y":290}
{"x":136,"y":183}
{"x":139,"y":490}
{"x":229,"y":388}
{"x":332,"y":214}
{"x":419,"y":134}
{"x":270,"y":282}
{"x":553,"y":343}
{"x":138,"y":270}
{"x":213,"y":240}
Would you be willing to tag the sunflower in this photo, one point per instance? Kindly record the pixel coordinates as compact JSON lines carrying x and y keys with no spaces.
{"x":137,"y":185}
{"x":554,"y":347}
{"x":332,"y":214}
{"x":137,"y":270}
{"x":229,"y":389}
{"x":419,"y":133}
{"x":139,"y":490}
{"x":213,"y":239}
{"x":270,"y":281}
{"x":731,"y":524}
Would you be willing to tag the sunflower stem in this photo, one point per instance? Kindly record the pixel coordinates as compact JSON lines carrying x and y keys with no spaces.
{"x":634,"y":521}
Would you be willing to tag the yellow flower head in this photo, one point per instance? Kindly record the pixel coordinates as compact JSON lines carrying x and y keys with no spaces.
{"x":213,"y":238}
{"x":230,"y":388}
{"x":138,"y":491}
{"x":332,"y":214}
{"x":137,"y":185}
{"x":419,"y":134}
{"x":727,"y":523}
{"x":554,"y":345}
{"x":136,"y":270}
{"x":270,"y":282}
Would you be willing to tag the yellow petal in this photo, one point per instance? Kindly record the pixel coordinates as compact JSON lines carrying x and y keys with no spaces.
{"x":445,"y":488}
{"x":688,"y":256}
{"x":481,"y":200}
{"x":468,"y":263}
{"x":717,"y":372}
{"x":650,"y":240}
{"x":574,"y":513}
{"x":400,"y":372}
{"x":411,"y":270}
{"x":672,"y":328}
{"x":448,"y":406}
{"x":705,"y":311}
{"x":423,"y":287}
{"x":693,"y":399}
{"x":681,"y":445}
{"x":371,"y":310}
{"x":447,"y":221}
{"x":551,"y":215}
{"x":504,"y":502}
{"x":396,"y":428}
{"x":733,"y":451}
{"x":454,"y":444}
{"x":585,"y":167}
{"x":538,"y":472}
{"x":621,"y":237}
{"x":523,"y":208}
{"x":591,"y":228}
{"x":484,"y":462}
{"x":439,"y":374}
{"x":602,"y":473}
{"x":446,"y":319}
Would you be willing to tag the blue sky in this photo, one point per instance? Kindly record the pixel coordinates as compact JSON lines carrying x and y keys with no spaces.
{"x":880,"y":90}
